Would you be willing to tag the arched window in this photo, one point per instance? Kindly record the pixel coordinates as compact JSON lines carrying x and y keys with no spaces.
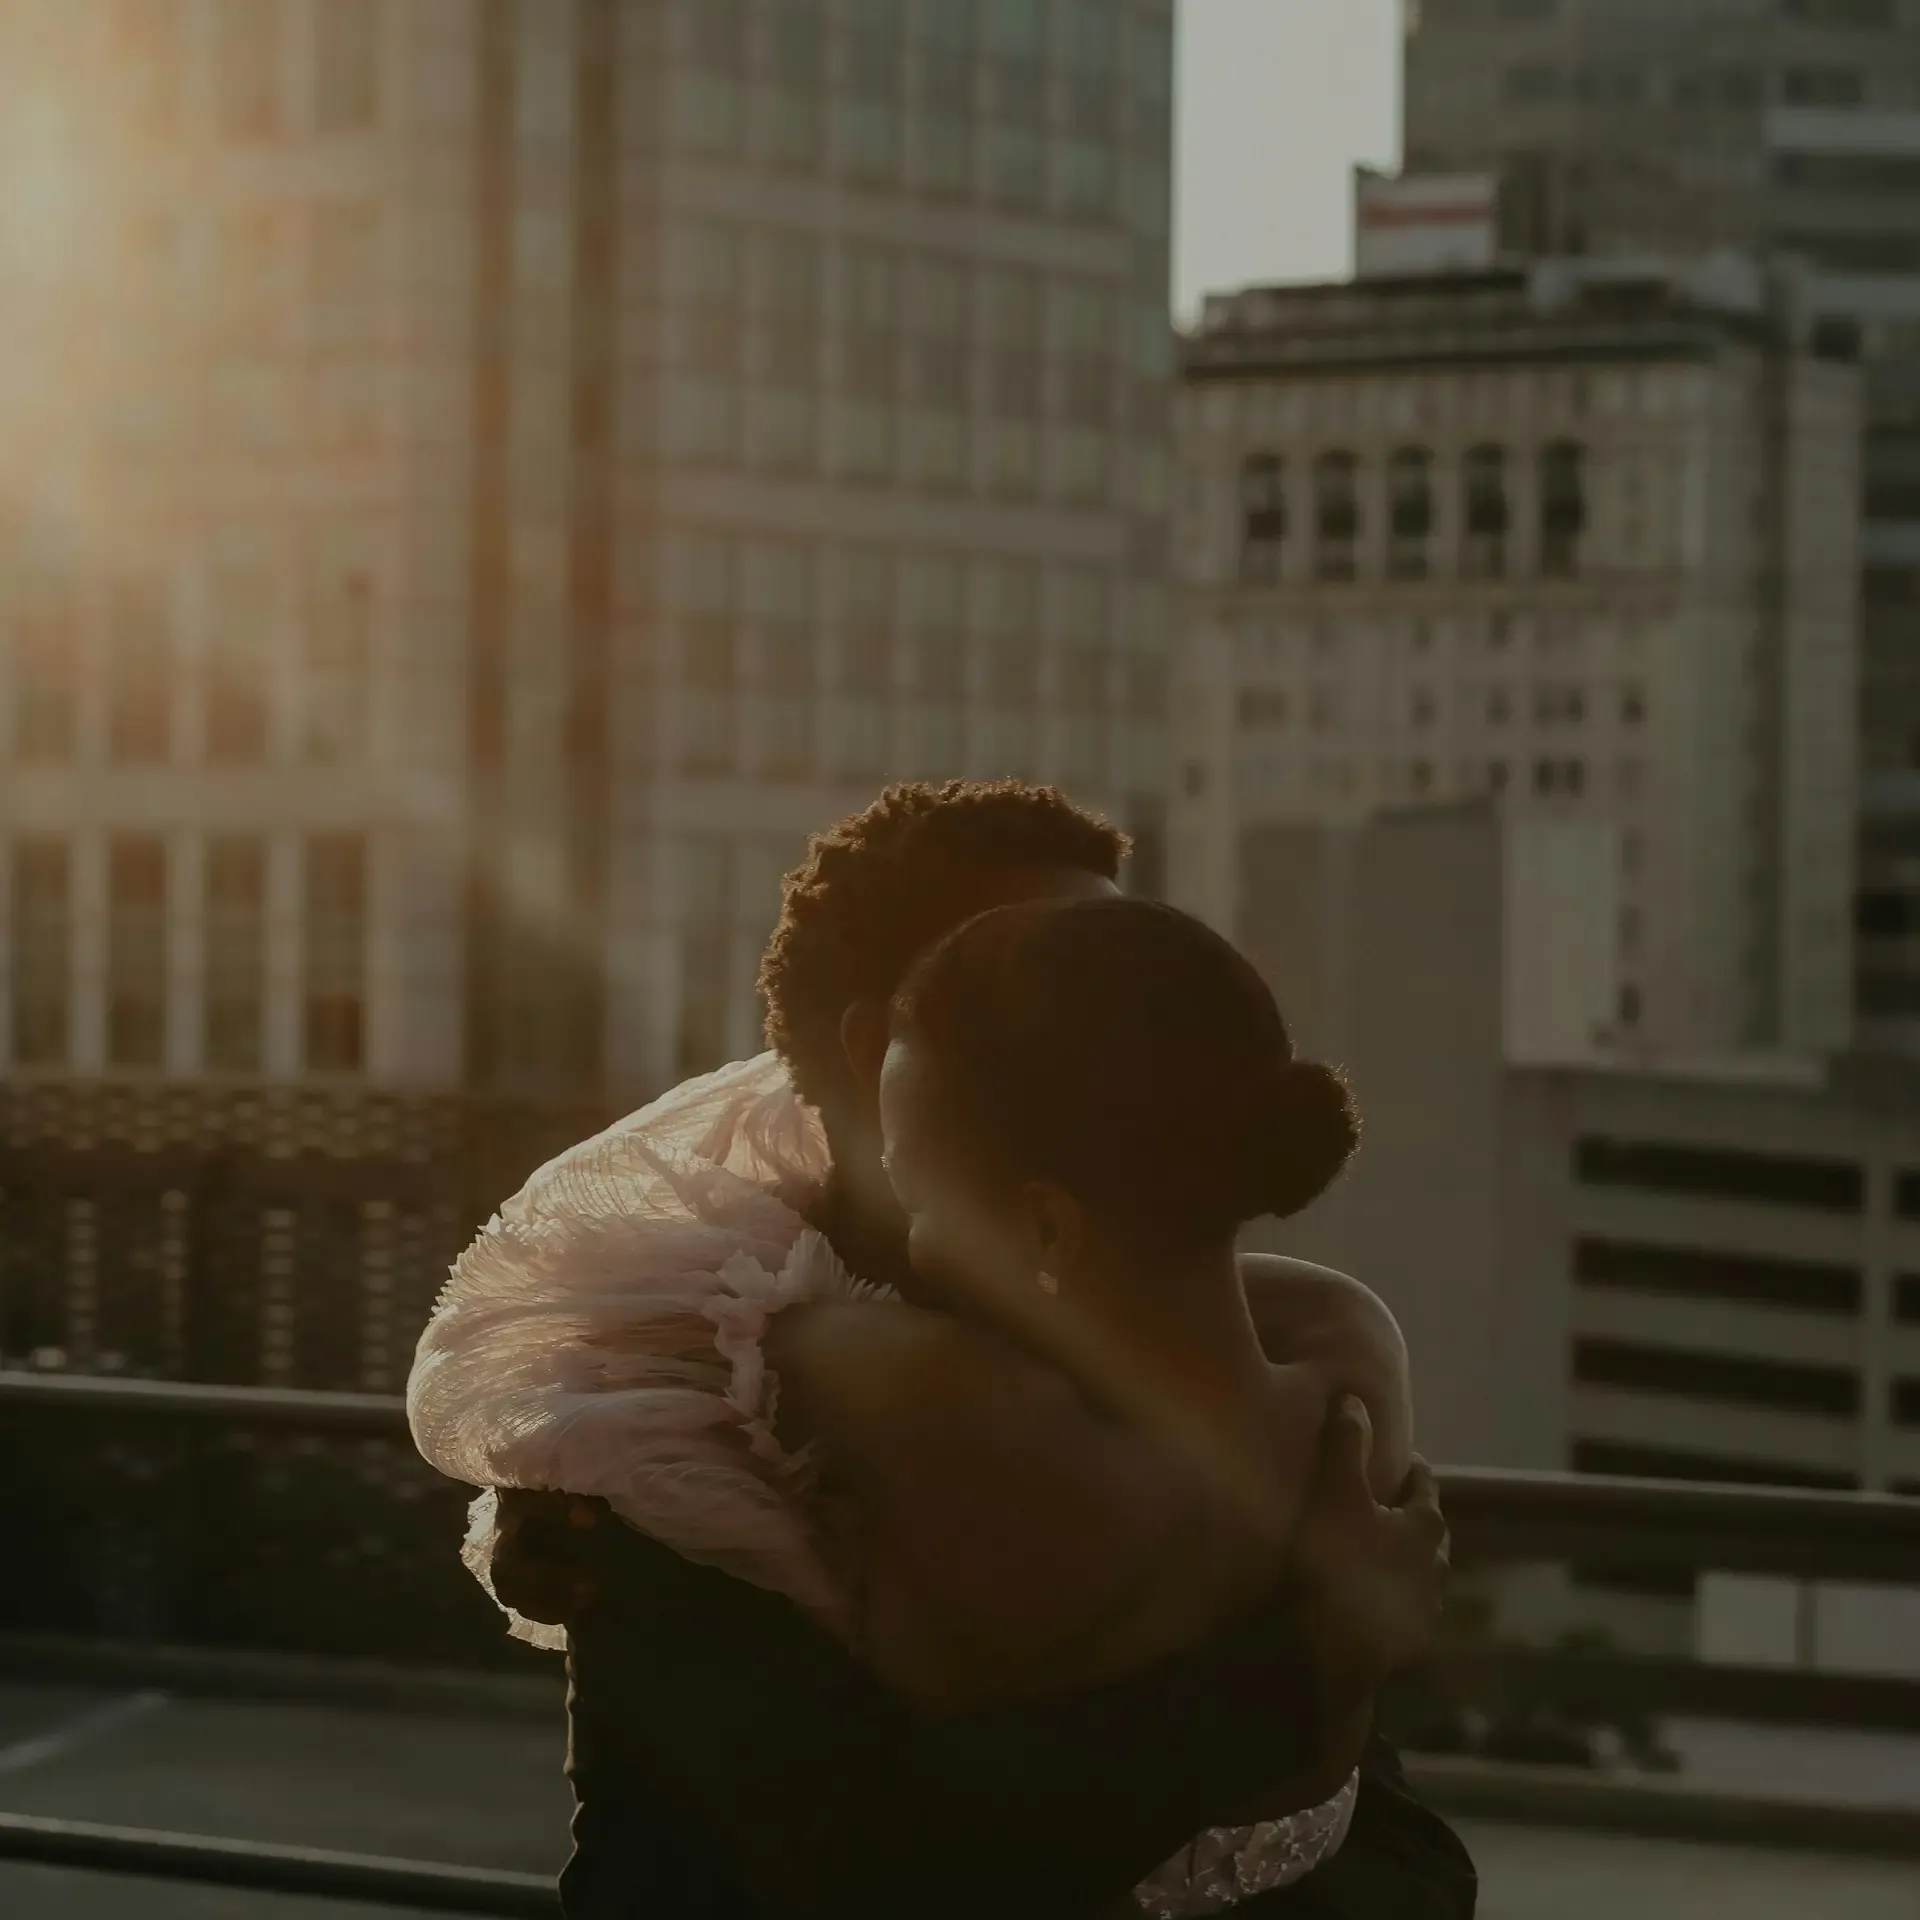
{"x":1409,"y":512}
{"x":1263,"y":516}
{"x":1484,"y":556}
{"x":1563,"y":507}
{"x":1336,"y":516}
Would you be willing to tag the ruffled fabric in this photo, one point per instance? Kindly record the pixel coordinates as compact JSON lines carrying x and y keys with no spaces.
{"x":604,"y":1335}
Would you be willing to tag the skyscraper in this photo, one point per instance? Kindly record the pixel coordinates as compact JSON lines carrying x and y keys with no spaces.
{"x":1767,"y":126}
{"x":491,"y":475}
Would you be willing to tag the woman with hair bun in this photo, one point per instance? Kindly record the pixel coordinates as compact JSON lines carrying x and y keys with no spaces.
{"x":1071,"y":1455}
{"x":1083,"y":1104}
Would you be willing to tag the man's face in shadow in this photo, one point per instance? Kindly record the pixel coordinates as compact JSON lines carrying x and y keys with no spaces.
{"x":864,"y":1031}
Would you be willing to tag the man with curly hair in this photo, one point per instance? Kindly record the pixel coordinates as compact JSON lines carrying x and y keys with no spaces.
{"x":732,"y":1759}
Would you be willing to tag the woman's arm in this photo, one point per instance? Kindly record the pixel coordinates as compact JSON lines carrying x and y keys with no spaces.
{"x":1314,"y":1317}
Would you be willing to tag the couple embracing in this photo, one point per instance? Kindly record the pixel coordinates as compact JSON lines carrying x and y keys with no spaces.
{"x":939,"y":1516}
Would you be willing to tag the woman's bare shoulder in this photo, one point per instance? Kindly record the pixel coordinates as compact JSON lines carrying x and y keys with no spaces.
{"x":1293,"y":1297}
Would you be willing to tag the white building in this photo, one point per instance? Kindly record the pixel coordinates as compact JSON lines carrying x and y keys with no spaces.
{"x":1578,"y":540}
{"x":495,"y":474}
{"x":1707,"y":1268}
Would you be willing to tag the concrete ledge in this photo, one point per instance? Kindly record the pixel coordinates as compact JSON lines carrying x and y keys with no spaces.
{"x":223,"y":1674}
{"x":1660,"y":1808}
{"x":86,"y":1847}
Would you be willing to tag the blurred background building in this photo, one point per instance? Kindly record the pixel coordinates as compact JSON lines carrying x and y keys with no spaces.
{"x":1579,"y":540}
{"x":523,"y":465}
{"x":481,"y":480}
{"x":1788,"y":129}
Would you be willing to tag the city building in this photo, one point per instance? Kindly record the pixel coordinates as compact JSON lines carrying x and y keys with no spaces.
{"x":1576,"y":538}
{"x":1700,"y":1268}
{"x":480,"y":480}
{"x":491,"y":478}
{"x":1775,"y":127}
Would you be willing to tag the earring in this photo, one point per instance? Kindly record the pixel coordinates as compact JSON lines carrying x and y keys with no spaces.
{"x":1048,"y":1283}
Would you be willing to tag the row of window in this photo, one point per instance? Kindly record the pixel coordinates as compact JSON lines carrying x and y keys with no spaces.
{"x":1857,"y":15}
{"x":1625,"y":84}
{"x":1733,"y":1173}
{"x":1485,"y":514}
{"x":1266,"y":772}
{"x":142,"y":670}
{"x":1778,"y":1386}
{"x":141,"y":921}
{"x":247,"y":71}
{"x":1275,"y":707}
{"x":712,"y":731}
{"x":911,"y":324}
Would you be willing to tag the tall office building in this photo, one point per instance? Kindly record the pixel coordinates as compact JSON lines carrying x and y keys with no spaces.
{"x":1575,"y":541}
{"x":1789,"y":126}
{"x":479,"y":481}
{"x":485,"y":477}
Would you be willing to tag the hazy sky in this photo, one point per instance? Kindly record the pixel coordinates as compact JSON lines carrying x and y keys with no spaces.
{"x":1278,"y":99}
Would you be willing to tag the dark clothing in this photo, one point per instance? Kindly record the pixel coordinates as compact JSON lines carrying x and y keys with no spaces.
{"x":713,"y":1723}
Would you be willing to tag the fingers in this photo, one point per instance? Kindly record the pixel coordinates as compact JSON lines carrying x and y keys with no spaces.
{"x":1347,"y":1446}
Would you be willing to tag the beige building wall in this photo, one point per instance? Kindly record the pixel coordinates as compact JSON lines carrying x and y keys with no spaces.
{"x":1679,"y":669}
{"x":612,"y":440}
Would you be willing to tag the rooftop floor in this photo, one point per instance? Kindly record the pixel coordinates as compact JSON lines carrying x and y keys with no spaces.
{"x":486,"y":1790}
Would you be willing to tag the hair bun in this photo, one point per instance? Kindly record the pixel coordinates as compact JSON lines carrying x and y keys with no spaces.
{"x":1301,"y":1133}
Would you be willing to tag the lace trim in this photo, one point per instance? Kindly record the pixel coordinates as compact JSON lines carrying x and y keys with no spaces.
{"x":1231,"y":1864}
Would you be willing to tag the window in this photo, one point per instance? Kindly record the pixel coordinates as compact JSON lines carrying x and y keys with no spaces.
{"x":871,"y":353}
{"x":1864,"y":14}
{"x":1781,"y":1385}
{"x":140,"y":675}
{"x":709,"y":102}
{"x":236,"y":669}
{"x":871,"y":102}
{"x":338,"y":657}
{"x":706,"y":896}
{"x":1724,"y":1173}
{"x":335,"y":928}
{"x":136,"y":951}
{"x":1849,"y":173}
{"x":1336,"y":516}
{"x":1263,"y":516}
{"x":793,"y":307}
{"x":1563,"y":508}
{"x":42,"y":937}
{"x":864,"y":667}
{"x":346,"y":59}
{"x":799,"y":41}
{"x":1530,"y":85}
{"x":148,"y":47}
{"x":46,"y":687}
{"x":236,"y":945}
{"x":1690,"y":1273}
{"x":708,"y":658}
{"x":1823,"y":87}
{"x":246,"y":68}
{"x":1016,"y":41}
{"x":1263,"y":707}
{"x":1485,"y":554}
{"x":1409,"y":512}
{"x":946,"y":90}
{"x":345,"y":273}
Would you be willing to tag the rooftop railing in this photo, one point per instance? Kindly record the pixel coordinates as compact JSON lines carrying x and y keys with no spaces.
{"x":231,"y":1524}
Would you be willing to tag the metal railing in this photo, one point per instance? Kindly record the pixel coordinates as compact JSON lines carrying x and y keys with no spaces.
{"x":216,"y":1462}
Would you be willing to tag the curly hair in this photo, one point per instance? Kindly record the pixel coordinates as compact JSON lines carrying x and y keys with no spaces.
{"x":881,"y":886}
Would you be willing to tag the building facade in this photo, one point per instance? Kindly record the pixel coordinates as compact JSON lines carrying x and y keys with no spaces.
{"x":1575,"y":541}
{"x":1704,"y":1269}
{"x":1785,"y":127}
{"x":498,"y":475}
